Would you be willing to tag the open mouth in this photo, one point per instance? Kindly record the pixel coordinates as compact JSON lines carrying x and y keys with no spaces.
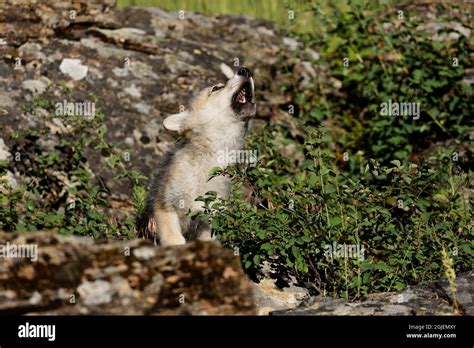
{"x":243,"y":95}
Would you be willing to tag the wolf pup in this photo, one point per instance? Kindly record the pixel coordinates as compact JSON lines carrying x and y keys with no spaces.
{"x":216,"y":121}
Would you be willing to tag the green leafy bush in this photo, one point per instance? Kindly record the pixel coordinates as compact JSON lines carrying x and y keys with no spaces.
{"x":397,"y":217}
{"x":376,"y":57}
{"x":374,"y":186}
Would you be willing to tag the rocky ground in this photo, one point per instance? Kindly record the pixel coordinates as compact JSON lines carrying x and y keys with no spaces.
{"x":78,"y":275}
{"x":432,"y":299}
{"x":143,"y":64}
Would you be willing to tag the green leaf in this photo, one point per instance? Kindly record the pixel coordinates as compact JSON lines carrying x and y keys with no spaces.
{"x":381,"y":266}
{"x":417,"y":75}
{"x":335,"y":221}
{"x":467,"y":249}
{"x":256,"y":260}
{"x":365,"y":266}
{"x":399,"y":286}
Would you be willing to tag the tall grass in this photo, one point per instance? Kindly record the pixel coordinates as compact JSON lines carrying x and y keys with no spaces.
{"x":274,"y":10}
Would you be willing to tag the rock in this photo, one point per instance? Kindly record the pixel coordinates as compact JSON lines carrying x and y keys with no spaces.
{"x":79,"y":275}
{"x":45,"y":18}
{"x":73,"y":68}
{"x":435,"y":27}
{"x":6,"y":100}
{"x":37,"y":86}
{"x":96,"y":293}
{"x":4,"y":153}
{"x":142,"y":108}
{"x":292,"y":43}
{"x":311,"y":54}
{"x":268,"y":297}
{"x":9,"y":180}
{"x":432,"y":299}
{"x":31,"y":51}
{"x":464,"y":291}
{"x":133,"y":91}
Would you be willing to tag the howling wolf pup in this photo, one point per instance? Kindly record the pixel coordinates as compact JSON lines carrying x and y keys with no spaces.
{"x":216,"y":122}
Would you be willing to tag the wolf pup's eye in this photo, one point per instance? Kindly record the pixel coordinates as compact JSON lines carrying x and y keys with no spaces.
{"x":216,"y":88}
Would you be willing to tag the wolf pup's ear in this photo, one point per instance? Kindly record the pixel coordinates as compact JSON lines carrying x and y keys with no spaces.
{"x":175,"y":122}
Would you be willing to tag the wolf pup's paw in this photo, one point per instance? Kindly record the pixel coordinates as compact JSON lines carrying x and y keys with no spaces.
{"x":174,"y":239}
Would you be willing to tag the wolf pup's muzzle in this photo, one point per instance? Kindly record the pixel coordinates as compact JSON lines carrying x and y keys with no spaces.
{"x":242,"y":99}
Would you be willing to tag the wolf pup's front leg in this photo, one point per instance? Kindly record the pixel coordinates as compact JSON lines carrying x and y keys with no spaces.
{"x":168,"y":227}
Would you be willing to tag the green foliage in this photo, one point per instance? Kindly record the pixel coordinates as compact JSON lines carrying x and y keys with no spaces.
{"x":389,"y":59}
{"x":375,"y":186}
{"x":398,"y":216}
{"x":139,"y":197}
{"x":60,"y":190}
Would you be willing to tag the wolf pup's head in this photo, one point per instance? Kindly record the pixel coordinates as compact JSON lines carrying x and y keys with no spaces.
{"x":217,"y":106}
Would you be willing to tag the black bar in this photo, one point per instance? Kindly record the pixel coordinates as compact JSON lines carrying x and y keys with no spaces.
{"x":289,"y":331}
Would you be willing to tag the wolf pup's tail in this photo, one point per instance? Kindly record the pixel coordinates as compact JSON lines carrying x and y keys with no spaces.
{"x":145,"y":223}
